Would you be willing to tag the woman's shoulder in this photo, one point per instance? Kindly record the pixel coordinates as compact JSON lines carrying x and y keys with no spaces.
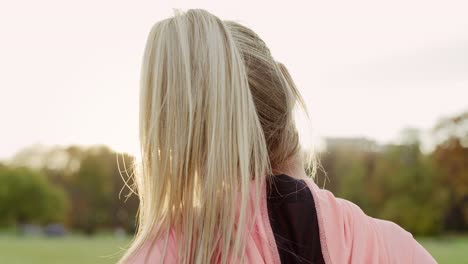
{"x":155,"y":250}
{"x":350,"y":236}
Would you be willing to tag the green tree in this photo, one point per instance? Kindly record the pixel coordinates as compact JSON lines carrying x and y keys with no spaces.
{"x":411,"y":194}
{"x":27,"y":197}
{"x":451,"y":158}
{"x":393,"y":182}
{"x":92,"y":179}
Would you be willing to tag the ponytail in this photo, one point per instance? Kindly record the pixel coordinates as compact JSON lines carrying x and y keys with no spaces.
{"x":202,"y":142}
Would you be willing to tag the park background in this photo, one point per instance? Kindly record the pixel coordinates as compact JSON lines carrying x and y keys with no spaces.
{"x":386,"y":85}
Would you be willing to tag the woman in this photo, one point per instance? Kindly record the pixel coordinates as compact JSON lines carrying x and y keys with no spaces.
{"x":222,"y":176}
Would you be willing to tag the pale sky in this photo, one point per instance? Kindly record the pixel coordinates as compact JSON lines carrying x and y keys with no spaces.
{"x":69,"y":70}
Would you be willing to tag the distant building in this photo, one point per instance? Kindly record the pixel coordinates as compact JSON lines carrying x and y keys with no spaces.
{"x":363,"y":144}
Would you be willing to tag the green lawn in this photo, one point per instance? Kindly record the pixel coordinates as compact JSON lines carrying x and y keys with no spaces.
{"x":106,"y":249}
{"x":447,"y":249}
{"x":68,"y":250}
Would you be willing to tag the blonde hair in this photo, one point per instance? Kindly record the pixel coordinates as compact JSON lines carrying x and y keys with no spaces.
{"x":216,"y":114}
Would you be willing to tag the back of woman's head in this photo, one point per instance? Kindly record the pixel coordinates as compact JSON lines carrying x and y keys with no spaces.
{"x":216,"y":115}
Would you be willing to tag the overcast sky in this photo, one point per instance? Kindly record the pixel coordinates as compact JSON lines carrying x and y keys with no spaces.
{"x":69,"y":70}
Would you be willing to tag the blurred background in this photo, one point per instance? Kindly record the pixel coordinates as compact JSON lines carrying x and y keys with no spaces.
{"x":386,"y":84}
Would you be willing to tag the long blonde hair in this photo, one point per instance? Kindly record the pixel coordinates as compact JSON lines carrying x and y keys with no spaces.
{"x":216,"y":115}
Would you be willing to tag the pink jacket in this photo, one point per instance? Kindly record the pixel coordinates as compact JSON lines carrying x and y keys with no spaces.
{"x":347,"y":235}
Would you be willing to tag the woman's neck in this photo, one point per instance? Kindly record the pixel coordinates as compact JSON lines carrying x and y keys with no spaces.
{"x":293,"y":167}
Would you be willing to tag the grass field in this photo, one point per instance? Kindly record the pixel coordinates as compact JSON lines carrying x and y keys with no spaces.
{"x":106,"y":249}
{"x":448,"y":250}
{"x":68,"y":250}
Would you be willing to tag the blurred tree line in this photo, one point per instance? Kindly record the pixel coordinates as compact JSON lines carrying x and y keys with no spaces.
{"x":85,"y":188}
{"x":27,"y":197}
{"x":426,"y":193}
